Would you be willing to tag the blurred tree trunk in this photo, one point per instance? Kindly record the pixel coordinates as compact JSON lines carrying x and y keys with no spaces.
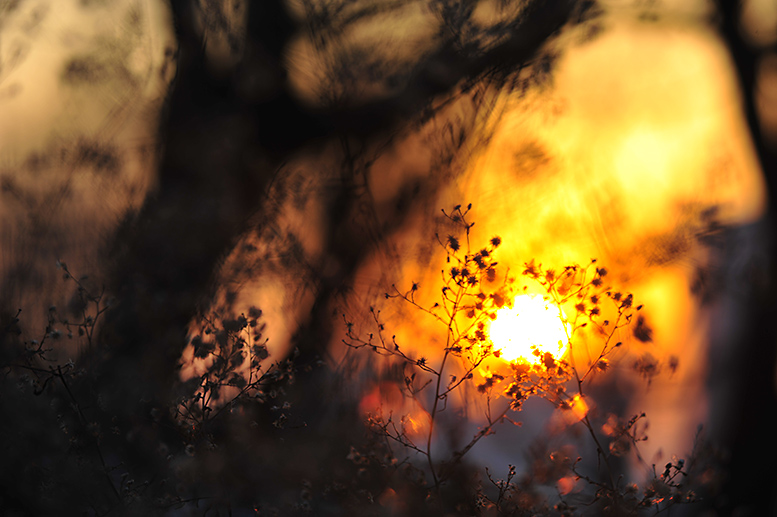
{"x":749,"y":438}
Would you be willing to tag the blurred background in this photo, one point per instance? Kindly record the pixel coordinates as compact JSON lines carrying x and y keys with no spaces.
{"x":208,"y":156}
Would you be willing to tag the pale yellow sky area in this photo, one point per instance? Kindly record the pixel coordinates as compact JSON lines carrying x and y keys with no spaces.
{"x":81,"y":86}
{"x":642,"y":124}
{"x":48,"y":34}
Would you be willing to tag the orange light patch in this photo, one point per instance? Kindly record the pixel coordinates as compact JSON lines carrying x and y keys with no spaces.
{"x":567,"y":484}
{"x":579,"y":407}
{"x":385,"y":401}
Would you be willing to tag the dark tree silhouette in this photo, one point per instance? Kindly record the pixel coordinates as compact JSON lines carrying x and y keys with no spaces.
{"x":749,"y":487}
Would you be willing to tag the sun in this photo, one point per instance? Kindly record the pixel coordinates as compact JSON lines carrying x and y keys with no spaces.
{"x":531,"y":323}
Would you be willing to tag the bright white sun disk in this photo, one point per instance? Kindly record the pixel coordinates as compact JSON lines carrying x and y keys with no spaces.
{"x":531,"y":321}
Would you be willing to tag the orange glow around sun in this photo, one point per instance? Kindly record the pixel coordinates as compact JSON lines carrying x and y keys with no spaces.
{"x":531,"y":323}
